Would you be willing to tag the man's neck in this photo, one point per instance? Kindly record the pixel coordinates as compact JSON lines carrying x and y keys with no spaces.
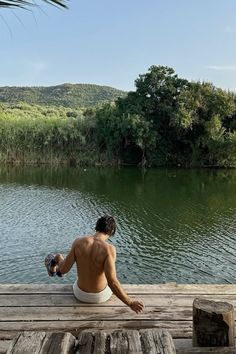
{"x":101,"y":236}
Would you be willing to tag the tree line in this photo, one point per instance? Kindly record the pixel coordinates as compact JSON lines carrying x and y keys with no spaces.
{"x":166,"y":121}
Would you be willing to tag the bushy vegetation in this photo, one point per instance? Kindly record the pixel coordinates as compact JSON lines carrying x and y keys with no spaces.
{"x":167,"y":121}
{"x":67,"y":95}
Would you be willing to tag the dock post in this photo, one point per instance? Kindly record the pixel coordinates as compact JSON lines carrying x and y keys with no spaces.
{"x":213,"y":323}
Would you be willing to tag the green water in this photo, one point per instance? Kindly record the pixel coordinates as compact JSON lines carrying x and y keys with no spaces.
{"x":173,"y":225}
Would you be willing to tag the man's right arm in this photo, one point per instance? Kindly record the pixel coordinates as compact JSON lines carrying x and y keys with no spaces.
{"x":114,"y":284}
{"x":65,"y":264}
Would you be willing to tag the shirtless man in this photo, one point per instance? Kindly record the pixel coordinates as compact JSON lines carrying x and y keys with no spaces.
{"x":95,"y":261}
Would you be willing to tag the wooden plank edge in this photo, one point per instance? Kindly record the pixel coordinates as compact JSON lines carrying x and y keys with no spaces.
{"x":209,"y":350}
{"x":168,"y":288}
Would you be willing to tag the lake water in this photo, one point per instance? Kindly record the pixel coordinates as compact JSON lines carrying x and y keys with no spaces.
{"x":173,"y":225}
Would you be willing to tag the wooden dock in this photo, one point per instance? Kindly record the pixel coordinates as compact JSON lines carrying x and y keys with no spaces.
{"x":43,"y":307}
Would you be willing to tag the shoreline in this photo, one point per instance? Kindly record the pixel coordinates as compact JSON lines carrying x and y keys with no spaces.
{"x":85,"y":164}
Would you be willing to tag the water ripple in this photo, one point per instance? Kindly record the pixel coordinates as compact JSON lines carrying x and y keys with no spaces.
{"x":169,"y":229}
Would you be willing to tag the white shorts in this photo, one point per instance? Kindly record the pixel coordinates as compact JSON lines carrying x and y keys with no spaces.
{"x":92,"y":298}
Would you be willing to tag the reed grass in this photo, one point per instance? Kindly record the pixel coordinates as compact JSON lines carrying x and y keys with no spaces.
{"x":36,"y":134}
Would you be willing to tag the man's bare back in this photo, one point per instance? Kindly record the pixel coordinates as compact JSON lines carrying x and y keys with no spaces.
{"x":95,"y":261}
{"x":90,"y":255}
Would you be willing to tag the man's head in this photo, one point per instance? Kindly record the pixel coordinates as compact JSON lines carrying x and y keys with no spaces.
{"x":106,"y":224}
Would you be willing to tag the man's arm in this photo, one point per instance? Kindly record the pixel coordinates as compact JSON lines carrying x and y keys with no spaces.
{"x":65,"y":265}
{"x":114,"y":284}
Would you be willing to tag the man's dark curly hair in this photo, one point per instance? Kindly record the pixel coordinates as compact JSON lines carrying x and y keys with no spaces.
{"x":106,"y":224}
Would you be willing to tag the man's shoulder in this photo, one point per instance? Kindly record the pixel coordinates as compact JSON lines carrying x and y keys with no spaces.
{"x":80,"y":240}
{"x":107,"y":248}
{"x":111,"y":250}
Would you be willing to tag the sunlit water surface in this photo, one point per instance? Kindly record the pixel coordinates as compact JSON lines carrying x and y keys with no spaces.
{"x":173,"y":225}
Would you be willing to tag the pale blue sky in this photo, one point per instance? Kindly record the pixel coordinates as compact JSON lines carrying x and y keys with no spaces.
{"x":110,"y":42}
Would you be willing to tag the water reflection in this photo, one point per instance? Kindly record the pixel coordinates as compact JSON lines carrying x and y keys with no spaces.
{"x":173,"y":225}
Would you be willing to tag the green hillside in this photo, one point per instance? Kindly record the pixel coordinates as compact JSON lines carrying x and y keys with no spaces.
{"x":67,"y":95}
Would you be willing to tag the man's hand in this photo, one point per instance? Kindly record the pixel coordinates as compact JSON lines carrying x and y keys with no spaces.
{"x":137,"y":306}
{"x":59,"y":258}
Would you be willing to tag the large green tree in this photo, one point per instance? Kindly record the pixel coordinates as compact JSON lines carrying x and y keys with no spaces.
{"x":126,"y":137}
{"x":156,"y":100}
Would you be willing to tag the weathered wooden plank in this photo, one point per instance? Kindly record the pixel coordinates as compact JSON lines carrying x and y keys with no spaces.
{"x":154,"y":341}
{"x":90,"y":342}
{"x":40,"y":300}
{"x":36,"y":288}
{"x":179,"y":328}
{"x":85,"y":343}
{"x":164,"y":341}
{"x":4,"y":345}
{"x":173,"y":288}
{"x":134,"y":341}
{"x":4,"y":335}
{"x":42,"y":343}
{"x":183,"y":343}
{"x":100,"y":342}
{"x":169,"y":288}
{"x":147,"y":341}
{"x":69,"y":300}
{"x":180,"y":334}
{"x":27,"y":343}
{"x":209,"y":350}
{"x":184,"y":346}
{"x":92,"y":313}
{"x":127,"y":342}
{"x":176,"y":329}
{"x":58,"y":343}
{"x":119,"y":343}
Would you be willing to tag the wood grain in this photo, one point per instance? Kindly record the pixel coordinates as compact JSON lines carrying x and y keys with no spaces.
{"x":169,"y":288}
{"x":65,"y":300}
{"x":44,"y":307}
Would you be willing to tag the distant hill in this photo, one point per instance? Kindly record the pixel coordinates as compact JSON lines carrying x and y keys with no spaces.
{"x":67,"y":95}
